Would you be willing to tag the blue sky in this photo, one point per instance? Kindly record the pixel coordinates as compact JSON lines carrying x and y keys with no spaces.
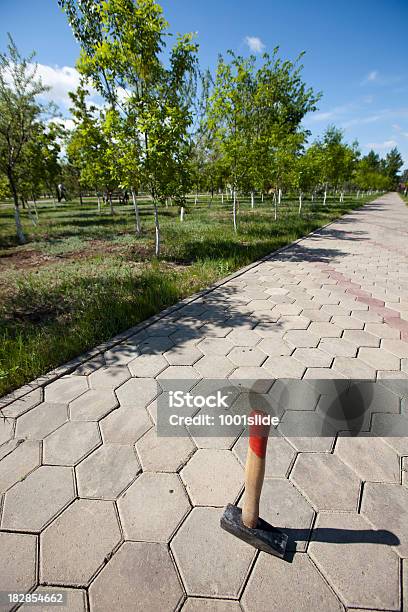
{"x":356,"y":52}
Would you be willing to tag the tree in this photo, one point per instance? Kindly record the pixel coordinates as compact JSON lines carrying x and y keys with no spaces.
{"x":255,"y":114}
{"x":121,"y":45}
{"x":392,"y":165}
{"x":337,"y":160}
{"x":20,"y":115}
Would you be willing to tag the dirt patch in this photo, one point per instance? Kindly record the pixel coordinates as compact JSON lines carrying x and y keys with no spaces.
{"x":31,"y":258}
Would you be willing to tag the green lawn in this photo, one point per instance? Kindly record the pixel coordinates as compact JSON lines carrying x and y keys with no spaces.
{"x":83,"y":278}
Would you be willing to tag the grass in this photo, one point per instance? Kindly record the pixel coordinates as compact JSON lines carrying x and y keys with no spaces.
{"x":83,"y":277}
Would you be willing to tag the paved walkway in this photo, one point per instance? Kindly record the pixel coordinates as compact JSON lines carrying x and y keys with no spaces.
{"x":95,"y":505}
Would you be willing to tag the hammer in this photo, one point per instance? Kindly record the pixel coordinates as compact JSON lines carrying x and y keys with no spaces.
{"x":246,"y":523}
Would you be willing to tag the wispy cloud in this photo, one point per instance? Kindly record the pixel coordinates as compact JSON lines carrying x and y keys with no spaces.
{"x":255,"y":44}
{"x":380,"y":146}
{"x":370,"y":77}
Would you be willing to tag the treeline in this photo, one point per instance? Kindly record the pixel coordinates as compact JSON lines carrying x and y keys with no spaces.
{"x":166,"y":127}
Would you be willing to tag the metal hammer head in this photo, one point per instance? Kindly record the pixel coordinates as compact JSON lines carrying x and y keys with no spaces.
{"x":264,"y":537}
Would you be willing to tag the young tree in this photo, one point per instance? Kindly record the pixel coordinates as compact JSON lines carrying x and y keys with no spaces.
{"x":20,"y":115}
{"x":392,"y":165}
{"x":121,"y":45}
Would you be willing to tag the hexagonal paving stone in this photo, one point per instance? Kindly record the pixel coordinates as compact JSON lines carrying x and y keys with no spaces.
{"x":246,"y":356}
{"x":325,"y":329}
{"x":348,"y":322}
{"x":382,"y":330}
{"x":379,"y":359}
{"x":361,"y":338}
{"x":125,"y":425}
{"x":23,"y":404}
{"x":199,"y":604}
{"x":317,"y":374}
{"x":214,"y":366}
{"x":354,"y":368}
{"x":275,"y":346}
{"x":41,"y":421}
{"x":288,"y":322}
{"x":107,"y":471}
{"x":147,"y":366}
{"x":283,"y":506}
{"x":16,"y":464}
{"x":182,"y":355}
{"x":258,"y":380}
{"x":187,"y":374}
{"x":137,"y":392}
{"x":326,"y":481}
{"x":215,"y":346}
{"x":385,"y":506}
{"x":307,"y":431}
{"x":127,"y":580}
{"x":213,"y":477}
{"x":51,"y":487}
{"x":370,"y":457}
{"x":18,"y":552}
{"x":293,"y":394}
{"x":93,"y":405}
{"x":77,"y":542}
{"x":90,"y":366}
{"x":357,"y":561}
{"x":284,"y":367}
{"x":313,"y":357}
{"x":275,"y":586}
{"x":70,"y":443}
{"x":6,"y":429}
{"x":109,"y":378}
{"x":159,"y":454}
{"x":243,"y":337}
{"x":153,"y":507}
{"x":212,"y":562}
{"x":65,"y":389}
{"x":338,"y":347}
{"x":300,"y":338}
{"x":75,"y":600}
{"x":396,"y":347}
{"x":316,"y":314}
{"x":279,"y":457}
{"x":121,"y":354}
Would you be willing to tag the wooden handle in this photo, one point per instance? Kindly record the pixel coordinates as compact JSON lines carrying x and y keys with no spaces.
{"x":254,"y":470}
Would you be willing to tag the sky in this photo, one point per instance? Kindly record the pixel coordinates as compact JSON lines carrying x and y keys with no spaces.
{"x":356,"y":53}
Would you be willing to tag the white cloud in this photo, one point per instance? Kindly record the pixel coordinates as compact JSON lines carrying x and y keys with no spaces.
{"x":255,"y":44}
{"x":61,"y":80}
{"x":387,"y":144}
{"x":371,"y":77}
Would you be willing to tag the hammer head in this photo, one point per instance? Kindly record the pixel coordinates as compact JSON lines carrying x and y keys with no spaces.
{"x":264,"y":536}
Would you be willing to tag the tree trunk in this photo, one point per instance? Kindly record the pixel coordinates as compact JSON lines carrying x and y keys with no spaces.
{"x":325,"y":196}
{"x":279,"y":196}
{"x":80,"y":198}
{"x":35,"y":208}
{"x":275,"y":206}
{"x":300,"y":202}
{"x":234,"y":210}
{"x":111,"y":204}
{"x":196,"y":199}
{"x":182,"y":214}
{"x":99,"y":201}
{"x":252,"y":200}
{"x":30,"y":214}
{"x":222,"y":198}
{"x":157,"y":229}
{"x":136,"y":209}
{"x":19,"y":228}
{"x":262,"y":197}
